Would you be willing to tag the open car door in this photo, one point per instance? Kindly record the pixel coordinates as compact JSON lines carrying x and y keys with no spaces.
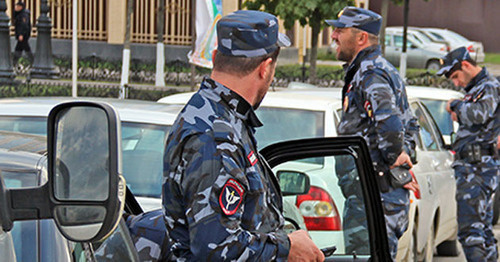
{"x":343,"y":193}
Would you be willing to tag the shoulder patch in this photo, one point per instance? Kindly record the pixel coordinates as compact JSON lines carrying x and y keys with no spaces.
{"x":368,"y":109}
{"x":231,"y":196}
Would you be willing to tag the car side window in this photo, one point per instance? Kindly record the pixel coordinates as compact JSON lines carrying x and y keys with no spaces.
{"x":398,"y":41}
{"x":333,"y":210}
{"x":427,"y":136}
{"x":117,"y":247}
{"x":388,"y":40}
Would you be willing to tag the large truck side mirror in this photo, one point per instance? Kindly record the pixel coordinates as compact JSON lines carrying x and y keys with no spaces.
{"x":85,"y":193}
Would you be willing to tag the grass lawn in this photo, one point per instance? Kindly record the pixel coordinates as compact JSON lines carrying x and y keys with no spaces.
{"x":492,"y":58}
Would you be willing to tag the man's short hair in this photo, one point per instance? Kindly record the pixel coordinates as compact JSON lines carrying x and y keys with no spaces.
{"x":20,"y":4}
{"x":373,"y":39}
{"x":240,"y":66}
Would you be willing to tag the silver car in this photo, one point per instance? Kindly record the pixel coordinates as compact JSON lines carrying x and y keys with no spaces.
{"x":455,"y":40}
{"x":419,"y":54}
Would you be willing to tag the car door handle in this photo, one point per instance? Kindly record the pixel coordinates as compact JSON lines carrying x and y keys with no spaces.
{"x":435,"y":164}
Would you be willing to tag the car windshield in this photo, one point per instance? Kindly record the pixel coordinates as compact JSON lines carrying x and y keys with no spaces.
{"x":29,"y":125}
{"x":282,"y":124}
{"x":422,"y":37}
{"x":456,"y":36}
{"x":24,"y":232}
{"x":143,"y":146}
{"x":437,"y":108}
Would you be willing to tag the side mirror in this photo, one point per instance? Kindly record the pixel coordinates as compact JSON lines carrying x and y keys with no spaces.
{"x":293,"y":182}
{"x":86,"y":185}
{"x":85,"y":193}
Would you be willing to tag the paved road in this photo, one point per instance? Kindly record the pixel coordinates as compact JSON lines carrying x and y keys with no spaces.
{"x":461,"y":258}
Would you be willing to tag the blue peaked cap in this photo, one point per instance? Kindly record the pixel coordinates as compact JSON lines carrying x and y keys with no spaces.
{"x":451,"y":59}
{"x":360,"y":18}
{"x":248,"y":33}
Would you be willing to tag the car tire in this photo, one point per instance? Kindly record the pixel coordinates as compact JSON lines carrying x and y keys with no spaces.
{"x":433,"y":65}
{"x":428,"y":253}
{"x":448,"y":248}
{"x":496,"y":205}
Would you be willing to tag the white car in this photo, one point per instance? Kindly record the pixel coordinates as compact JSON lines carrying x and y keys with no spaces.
{"x":304,"y":113}
{"x":145,"y":127}
{"x":455,"y":40}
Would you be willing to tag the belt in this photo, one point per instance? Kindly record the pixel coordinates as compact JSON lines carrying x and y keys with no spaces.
{"x":474,"y":152}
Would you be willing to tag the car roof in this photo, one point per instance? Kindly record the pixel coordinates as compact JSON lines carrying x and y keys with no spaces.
{"x":18,"y":160}
{"x":310,"y":98}
{"x":424,"y":92}
{"x":129,"y":110}
{"x":284,"y":98}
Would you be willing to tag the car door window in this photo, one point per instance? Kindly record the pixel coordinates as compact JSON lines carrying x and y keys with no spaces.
{"x":398,"y":42}
{"x":336,"y":210}
{"x":427,"y":137}
{"x":387,"y":40}
{"x":117,"y":247}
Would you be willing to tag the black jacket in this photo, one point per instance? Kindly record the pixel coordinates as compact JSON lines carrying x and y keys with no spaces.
{"x":22,"y":23}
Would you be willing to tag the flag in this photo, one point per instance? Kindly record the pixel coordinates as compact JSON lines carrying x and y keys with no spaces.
{"x":208,"y":12}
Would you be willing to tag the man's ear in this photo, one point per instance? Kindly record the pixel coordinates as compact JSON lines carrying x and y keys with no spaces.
{"x":265,"y":68}
{"x":362,"y":38}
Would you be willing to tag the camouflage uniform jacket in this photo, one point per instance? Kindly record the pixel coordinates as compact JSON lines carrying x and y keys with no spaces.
{"x":221,"y":201}
{"x":478,"y":113}
{"x":376,"y":107}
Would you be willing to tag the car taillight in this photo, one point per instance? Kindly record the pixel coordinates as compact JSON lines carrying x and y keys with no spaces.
{"x":416,"y":193}
{"x":319,"y":210}
{"x":443,"y":49}
{"x":471,"y":49}
{"x":448,"y":48}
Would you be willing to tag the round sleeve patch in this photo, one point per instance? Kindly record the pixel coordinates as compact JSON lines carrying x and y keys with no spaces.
{"x":231,"y":197}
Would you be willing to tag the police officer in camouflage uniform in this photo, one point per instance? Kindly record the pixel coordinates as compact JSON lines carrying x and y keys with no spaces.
{"x":476,"y":166}
{"x":375,"y":106}
{"x":221,"y":201}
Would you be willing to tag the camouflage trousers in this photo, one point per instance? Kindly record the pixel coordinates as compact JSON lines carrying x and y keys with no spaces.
{"x":475,"y":186}
{"x":396,"y":205}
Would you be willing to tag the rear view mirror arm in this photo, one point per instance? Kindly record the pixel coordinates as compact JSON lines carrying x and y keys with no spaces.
{"x":23,"y":204}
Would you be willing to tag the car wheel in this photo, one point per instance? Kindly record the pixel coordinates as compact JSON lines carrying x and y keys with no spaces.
{"x":433,"y":65}
{"x":428,"y":253}
{"x":448,"y":249}
{"x":496,"y":205}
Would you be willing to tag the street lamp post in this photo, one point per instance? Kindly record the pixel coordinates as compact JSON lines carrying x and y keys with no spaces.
{"x":6,"y":71}
{"x":43,"y":66}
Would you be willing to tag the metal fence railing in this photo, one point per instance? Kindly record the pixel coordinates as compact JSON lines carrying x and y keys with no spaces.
{"x":178,"y":24}
{"x":93,"y":20}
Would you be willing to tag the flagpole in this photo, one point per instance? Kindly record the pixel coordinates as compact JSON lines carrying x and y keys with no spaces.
{"x":193,"y":41}
{"x":74,"y":67}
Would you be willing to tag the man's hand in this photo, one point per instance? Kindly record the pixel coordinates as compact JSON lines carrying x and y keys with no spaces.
{"x":448,"y":108}
{"x":302,"y":248}
{"x":413,"y":185}
{"x":21,"y":38}
{"x":454,"y":116}
{"x":403,"y":158}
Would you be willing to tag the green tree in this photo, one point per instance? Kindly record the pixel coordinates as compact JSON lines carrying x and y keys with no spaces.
{"x":307,"y":12}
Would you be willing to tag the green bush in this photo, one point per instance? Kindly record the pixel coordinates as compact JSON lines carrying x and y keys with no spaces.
{"x":46,"y":90}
